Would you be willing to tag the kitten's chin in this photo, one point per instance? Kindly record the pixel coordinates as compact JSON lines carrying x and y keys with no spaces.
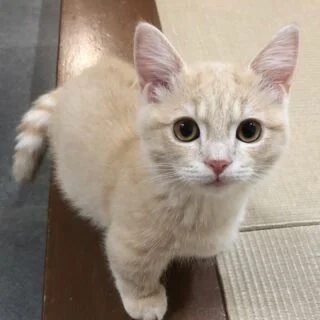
{"x":217,"y":185}
{"x":221,"y":186}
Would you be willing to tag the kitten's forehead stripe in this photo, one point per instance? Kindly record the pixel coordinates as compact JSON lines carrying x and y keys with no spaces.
{"x":215,"y":93}
{"x":191,"y":109}
{"x":201,"y":110}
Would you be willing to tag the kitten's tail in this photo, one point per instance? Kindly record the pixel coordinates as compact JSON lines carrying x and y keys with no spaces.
{"x":31,"y":138}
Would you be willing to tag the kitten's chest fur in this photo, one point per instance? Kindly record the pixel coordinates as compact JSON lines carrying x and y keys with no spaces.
{"x":202,"y":226}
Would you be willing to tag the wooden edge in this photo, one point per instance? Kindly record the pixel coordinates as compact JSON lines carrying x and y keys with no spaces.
{"x":78,"y":284}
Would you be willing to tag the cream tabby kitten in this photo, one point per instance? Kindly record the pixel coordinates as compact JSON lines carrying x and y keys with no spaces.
{"x":167,"y":171}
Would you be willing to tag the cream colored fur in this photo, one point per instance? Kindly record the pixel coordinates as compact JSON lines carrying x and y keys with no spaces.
{"x":119,"y":164}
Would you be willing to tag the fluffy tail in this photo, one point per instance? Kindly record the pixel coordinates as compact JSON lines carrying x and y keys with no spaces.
{"x":31,"y":138}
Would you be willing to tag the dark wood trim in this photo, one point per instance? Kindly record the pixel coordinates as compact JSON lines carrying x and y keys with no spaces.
{"x":78,"y":284}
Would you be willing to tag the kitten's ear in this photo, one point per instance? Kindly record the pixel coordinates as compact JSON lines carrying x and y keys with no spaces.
{"x":277,"y":61}
{"x":156,"y":61}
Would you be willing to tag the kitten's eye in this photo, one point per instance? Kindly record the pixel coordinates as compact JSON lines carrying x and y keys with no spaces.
{"x":186,"y":130}
{"x":249,"y":131}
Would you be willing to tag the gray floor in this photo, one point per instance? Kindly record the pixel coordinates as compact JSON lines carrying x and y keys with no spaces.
{"x":28,"y":52}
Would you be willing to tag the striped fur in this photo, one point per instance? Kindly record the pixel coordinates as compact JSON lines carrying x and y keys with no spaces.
{"x":31,"y":138}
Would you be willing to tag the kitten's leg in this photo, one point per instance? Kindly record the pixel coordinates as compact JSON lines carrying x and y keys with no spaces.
{"x":137,"y":268}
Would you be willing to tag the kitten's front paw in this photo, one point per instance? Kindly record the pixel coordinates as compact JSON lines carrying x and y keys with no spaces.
{"x":148,"y":308}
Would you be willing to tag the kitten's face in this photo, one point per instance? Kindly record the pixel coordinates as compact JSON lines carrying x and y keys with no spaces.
{"x":209,"y":125}
{"x":216,"y":129}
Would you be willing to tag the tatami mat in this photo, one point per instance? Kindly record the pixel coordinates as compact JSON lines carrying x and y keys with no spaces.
{"x":236,"y":31}
{"x":273,"y":275}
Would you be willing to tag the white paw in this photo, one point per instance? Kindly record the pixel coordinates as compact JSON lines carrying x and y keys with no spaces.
{"x":148,"y":308}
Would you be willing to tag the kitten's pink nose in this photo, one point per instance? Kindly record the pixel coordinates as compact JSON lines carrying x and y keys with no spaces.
{"x":217,"y":166}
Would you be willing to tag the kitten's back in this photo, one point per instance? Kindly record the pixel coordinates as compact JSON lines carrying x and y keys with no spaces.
{"x":92,"y":128}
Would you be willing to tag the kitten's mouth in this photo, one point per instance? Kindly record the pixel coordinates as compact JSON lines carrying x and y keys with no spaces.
{"x":217,"y":182}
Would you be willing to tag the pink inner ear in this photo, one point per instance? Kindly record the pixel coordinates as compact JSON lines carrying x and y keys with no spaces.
{"x":274,"y":68}
{"x":277,"y":61}
{"x":156,"y":61}
{"x":152,"y":71}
